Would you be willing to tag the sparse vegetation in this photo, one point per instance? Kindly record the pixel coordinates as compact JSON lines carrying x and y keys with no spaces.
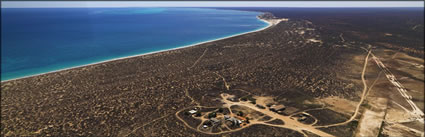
{"x":240,"y":113}
{"x":212,"y":115}
{"x":120,"y":96}
{"x":220,"y":110}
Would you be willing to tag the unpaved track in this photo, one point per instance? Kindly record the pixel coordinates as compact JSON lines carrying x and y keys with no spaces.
{"x":196,"y":62}
{"x":289,"y":122}
{"x":137,"y":128}
{"x":224,"y":80}
{"x":342,"y":38}
{"x":416,"y":112}
{"x":190,"y":97}
{"x":374,"y":82}
{"x":365,"y":89}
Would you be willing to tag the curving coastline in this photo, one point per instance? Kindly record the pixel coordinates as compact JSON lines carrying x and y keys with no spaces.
{"x":298,"y":78}
{"x":270,"y":23}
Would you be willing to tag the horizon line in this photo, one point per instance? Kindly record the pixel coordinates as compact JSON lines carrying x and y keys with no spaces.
{"x":283,"y":4}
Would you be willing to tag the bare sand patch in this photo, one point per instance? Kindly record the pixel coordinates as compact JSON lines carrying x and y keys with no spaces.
{"x":338,"y":104}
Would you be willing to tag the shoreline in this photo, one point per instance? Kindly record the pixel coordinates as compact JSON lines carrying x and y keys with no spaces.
{"x":149,"y":53}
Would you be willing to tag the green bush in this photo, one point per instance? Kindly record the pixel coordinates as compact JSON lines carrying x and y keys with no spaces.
{"x":211,"y":115}
{"x":220,"y":110}
{"x":240,"y":113}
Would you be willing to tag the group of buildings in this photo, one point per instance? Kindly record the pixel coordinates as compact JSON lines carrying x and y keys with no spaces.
{"x":236,"y":121}
{"x":214,"y":121}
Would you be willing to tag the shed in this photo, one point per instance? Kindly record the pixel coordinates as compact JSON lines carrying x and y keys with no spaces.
{"x":260,"y":106}
{"x":234,"y":121}
{"x":215,"y":120}
{"x":277,"y":108}
{"x":192,"y":111}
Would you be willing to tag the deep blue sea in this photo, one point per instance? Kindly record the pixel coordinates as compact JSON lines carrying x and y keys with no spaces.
{"x":40,"y":40}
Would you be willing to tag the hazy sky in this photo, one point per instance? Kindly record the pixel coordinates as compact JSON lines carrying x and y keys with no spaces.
{"x":47,"y":4}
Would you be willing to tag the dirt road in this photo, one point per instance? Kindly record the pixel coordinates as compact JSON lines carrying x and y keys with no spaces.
{"x":361,"y":100}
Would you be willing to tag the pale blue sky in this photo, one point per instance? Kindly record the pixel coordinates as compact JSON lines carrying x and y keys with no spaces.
{"x":47,"y":4}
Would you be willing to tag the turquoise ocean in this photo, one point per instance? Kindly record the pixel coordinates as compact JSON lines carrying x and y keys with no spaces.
{"x":41,"y":40}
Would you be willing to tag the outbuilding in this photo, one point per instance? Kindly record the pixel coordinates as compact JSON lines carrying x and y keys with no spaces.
{"x":277,"y":108}
{"x":192,"y":111}
{"x":234,"y":121}
{"x":215,"y":121}
{"x":260,"y":106}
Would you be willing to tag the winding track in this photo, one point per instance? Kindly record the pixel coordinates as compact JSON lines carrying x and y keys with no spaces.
{"x":224,"y":80}
{"x":365,"y":89}
{"x":342,"y":38}
{"x":290,"y":123}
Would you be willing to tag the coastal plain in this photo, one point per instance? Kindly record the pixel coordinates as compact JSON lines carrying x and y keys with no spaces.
{"x":298,"y":77}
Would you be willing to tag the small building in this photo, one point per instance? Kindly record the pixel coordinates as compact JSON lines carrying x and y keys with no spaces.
{"x":192,"y":111}
{"x":302,"y":118}
{"x":239,"y":122}
{"x":207,"y":123}
{"x":277,"y":108}
{"x":215,"y":121}
{"x":269,"y":104}
{"x":260,"y":106}
{"x":234,"y":121}
{"x":231,"y":98}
